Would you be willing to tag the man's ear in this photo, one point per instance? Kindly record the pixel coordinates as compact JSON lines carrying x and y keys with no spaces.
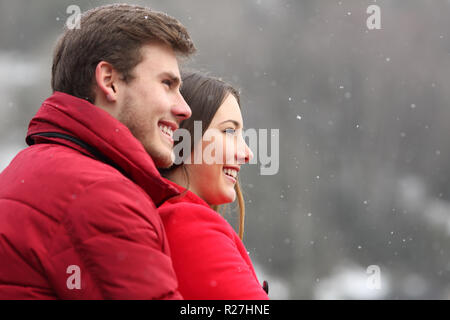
{"x":106,"y":77}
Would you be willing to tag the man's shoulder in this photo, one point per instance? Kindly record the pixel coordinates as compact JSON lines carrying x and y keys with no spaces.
{"x":54,"y":173}
{"x":63,"y":161}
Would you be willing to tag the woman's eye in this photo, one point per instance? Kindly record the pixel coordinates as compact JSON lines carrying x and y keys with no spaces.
{"x":229,"y":130}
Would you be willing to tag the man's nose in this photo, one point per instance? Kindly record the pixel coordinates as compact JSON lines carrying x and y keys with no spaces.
{"x":181,"y":109}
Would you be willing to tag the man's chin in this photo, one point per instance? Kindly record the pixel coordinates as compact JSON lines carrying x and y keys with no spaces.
{"x":162,"y":156}
{"x":164,"y":161}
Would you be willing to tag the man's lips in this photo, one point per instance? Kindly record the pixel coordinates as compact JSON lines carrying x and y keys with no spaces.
{"x":167,"y":128}
{"x":172,"y":125}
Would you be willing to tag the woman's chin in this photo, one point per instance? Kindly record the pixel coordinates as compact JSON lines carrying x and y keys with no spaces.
{"x":224,"y":198}
{"x":229,"y":196}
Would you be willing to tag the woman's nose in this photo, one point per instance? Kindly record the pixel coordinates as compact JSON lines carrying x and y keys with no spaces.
{"x":243,"y":154}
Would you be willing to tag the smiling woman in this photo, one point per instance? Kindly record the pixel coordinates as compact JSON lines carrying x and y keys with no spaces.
{"x":216,"y":107}
{"x":209,"y":258}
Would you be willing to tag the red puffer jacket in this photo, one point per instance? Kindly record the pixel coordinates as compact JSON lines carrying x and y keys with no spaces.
{"x":83,"y":196}
{"x":210,"y":260}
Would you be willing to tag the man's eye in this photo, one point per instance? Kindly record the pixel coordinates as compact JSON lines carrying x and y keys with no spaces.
{"x":168,"y":83}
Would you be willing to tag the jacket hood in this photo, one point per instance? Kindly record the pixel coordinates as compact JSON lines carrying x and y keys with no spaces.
{"x":65,"y":114}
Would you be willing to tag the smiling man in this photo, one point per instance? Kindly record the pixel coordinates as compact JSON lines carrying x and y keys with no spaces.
{"x":78,"y":215}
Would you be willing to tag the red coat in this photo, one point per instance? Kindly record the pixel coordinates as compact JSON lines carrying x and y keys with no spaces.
{"x":209,"y":259}
{"x":60,"y":206}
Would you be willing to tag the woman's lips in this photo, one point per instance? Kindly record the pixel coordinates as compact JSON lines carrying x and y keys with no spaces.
{"x":231,"y":179}
{"x":230,"y":173}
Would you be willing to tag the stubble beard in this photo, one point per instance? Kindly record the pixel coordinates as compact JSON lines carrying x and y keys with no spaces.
{"x":137,"y":127}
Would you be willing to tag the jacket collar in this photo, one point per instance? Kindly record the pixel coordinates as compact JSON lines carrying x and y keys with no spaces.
{"x":185,"y":195}
{"x":69,"y":115}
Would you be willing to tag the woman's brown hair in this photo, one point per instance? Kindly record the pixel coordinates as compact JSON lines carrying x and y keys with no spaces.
{"x":205,"y":94}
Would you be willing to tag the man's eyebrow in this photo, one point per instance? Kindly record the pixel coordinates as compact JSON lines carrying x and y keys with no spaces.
{"x":236,"y":123}
{"x":172,"y":77}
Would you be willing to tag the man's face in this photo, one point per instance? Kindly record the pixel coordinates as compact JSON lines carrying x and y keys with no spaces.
{"x":151,"y":105}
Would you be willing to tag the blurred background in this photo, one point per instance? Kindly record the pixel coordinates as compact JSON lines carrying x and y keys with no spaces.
{"x":363,"y":116}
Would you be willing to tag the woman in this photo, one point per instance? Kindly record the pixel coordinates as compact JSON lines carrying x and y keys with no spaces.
{"x":209,"y":258}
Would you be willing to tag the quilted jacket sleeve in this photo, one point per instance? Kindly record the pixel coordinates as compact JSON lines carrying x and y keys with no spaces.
{"x":209,"y":259}
{"x":118,"y":243}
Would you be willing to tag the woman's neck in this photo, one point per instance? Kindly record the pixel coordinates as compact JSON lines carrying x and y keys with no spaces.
{"x":180,"y":176}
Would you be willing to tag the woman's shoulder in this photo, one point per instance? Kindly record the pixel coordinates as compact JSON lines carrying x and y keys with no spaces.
{"x":189,"y":216}
{"x":189,"y":210}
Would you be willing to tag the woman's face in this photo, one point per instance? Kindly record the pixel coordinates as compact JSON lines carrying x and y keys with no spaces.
{"x":223,"y":151}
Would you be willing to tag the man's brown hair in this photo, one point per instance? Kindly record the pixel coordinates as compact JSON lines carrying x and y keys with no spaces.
{"x":115,"y":34}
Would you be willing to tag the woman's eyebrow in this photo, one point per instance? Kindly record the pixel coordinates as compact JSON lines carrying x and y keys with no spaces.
{"x":236,"y":123}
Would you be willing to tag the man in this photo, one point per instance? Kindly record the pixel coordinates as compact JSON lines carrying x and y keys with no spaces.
{"x":78,"y":215}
